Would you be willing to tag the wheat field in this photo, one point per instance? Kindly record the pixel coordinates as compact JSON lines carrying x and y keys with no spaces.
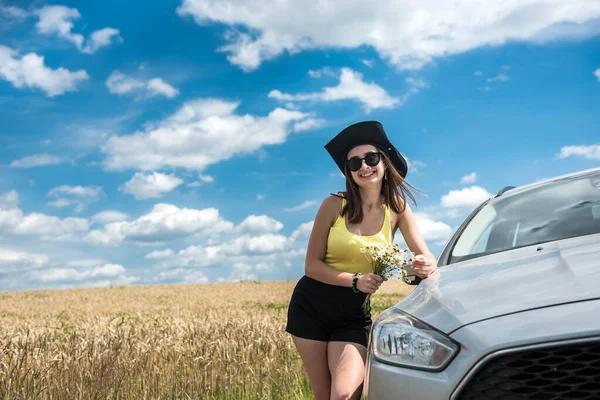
{"x":207,"y":341}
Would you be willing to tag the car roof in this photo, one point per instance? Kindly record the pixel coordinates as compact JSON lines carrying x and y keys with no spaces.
{"x":511,"y":190}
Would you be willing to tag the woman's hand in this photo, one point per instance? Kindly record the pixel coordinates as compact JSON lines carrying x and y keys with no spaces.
{"x":423,"y":267}
{"x":369,"y":283}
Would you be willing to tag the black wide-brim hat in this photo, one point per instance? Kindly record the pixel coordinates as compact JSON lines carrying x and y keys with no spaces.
{"x":366,"y":132}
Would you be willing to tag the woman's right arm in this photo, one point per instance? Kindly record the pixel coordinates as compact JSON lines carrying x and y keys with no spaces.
{"x":315,"y":267}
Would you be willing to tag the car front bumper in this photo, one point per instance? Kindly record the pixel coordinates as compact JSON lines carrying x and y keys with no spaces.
{"x":481,"y":341}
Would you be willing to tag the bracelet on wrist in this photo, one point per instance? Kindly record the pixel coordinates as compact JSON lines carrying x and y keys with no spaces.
{"x":355,"y":282}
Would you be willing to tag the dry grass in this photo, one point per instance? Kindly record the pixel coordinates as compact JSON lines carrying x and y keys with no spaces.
{"x":212,"y":341}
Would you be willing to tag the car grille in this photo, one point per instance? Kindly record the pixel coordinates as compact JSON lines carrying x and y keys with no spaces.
{"x":562,"y":372}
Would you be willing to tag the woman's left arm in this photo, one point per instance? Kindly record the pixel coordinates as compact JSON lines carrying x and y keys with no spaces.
{"x":424,"y":263}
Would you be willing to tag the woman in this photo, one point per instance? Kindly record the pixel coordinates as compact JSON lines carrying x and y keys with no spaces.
{"x":325,"y":316}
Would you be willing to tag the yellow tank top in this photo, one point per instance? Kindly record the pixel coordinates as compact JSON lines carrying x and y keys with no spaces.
{"x":343,"y":247}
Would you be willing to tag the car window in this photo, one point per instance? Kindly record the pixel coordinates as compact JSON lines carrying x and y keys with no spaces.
{"x":553,"y":211}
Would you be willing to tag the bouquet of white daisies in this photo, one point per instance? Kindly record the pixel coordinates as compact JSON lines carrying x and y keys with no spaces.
{"x":390,"y":262}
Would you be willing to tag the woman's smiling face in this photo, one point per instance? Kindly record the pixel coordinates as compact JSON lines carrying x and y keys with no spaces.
{"x":366,"y":175}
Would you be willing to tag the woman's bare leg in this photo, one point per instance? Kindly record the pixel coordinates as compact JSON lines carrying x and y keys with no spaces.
{"x":347,"y":368}
{"x":314,"y":357}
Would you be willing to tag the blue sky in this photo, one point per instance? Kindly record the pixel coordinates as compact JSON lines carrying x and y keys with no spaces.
{"x":182,"y":141}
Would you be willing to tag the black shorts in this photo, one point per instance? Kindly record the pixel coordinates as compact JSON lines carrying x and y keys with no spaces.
{"x":324,"y":312}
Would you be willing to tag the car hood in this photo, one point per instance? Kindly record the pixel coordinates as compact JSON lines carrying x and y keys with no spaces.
{"x":508,"y":282}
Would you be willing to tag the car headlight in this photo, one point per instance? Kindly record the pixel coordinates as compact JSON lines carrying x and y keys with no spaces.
{"x":400,"y":339}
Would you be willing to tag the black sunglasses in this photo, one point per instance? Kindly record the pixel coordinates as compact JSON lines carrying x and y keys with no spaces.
{"x":371,"y":158}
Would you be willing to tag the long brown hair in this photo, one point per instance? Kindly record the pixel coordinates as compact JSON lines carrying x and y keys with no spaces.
{"x":395,"y":190}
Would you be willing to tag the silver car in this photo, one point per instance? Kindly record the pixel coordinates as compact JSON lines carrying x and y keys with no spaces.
{"x":514,"y":309}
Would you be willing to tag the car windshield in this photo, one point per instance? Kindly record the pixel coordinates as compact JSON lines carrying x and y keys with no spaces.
{"x":559,"y":210}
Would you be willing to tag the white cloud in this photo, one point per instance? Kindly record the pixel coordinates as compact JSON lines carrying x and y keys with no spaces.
{"x":158,"y":86}
{"x":88,"y":134}
{"x":206,"y":178}
{"x":200,"y":133}
{"x":13,"y":14}
{"x":469,"y":178}
{"x":469,"y":197}
{"x":150,"y":186}
{"x":15,"y":261}
{"x":59,"y":203}
{"x":14,"y":222}
{"x":248,"y":54}
{"x":415,"y":85}
{"x":110,"y":236}
{"x":77,"y":191}
{"x":414,"y":166}
{"x":203,"y":179}
{"x":405,"y":34}
{"x":108,"y":216}
{"x":101,"y":38}
{"x":27,"y":270}
{"x":431,"y":229}
{"x":9,"y":220}
{"x":499,"y":78}
{"x":108,"y":270}
{"x":30,"y":71}
{"x":368,"y":63}
{"x":67,"y":279}
{"x":478,"y":73}
{"x":51,"y":227}
{"x":121,"y":280}
{"x":9,"y":199}
{"x":597,"y":73}
{"x":71,"y":274}
{"x":325,"y":71}
{"x":37,"y":160}
{"x":85,"y":263}
{"x":121,"y":84}
{"x":303,"y":231}
{"x":259,"y":224}
{"x":569,"y":31}
{"x":265,"y":243}
{"x":158,"y":254}
{"x":241,"y":273}
{"x":308,"y":124}
{"x":260,"y":197}
{"x":58,"y":20}
{"x":239,"y":249}
{"x":164,"y":222}
{"x":291,"y":106}
{"x":591,"y":152}
{"x":306,"y":204}
{"x":182,"y":275}
{"x":436,"y":231}
{"x":350,"y":87}
{"x":249,"y":255}
{"x":78,"y":196}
